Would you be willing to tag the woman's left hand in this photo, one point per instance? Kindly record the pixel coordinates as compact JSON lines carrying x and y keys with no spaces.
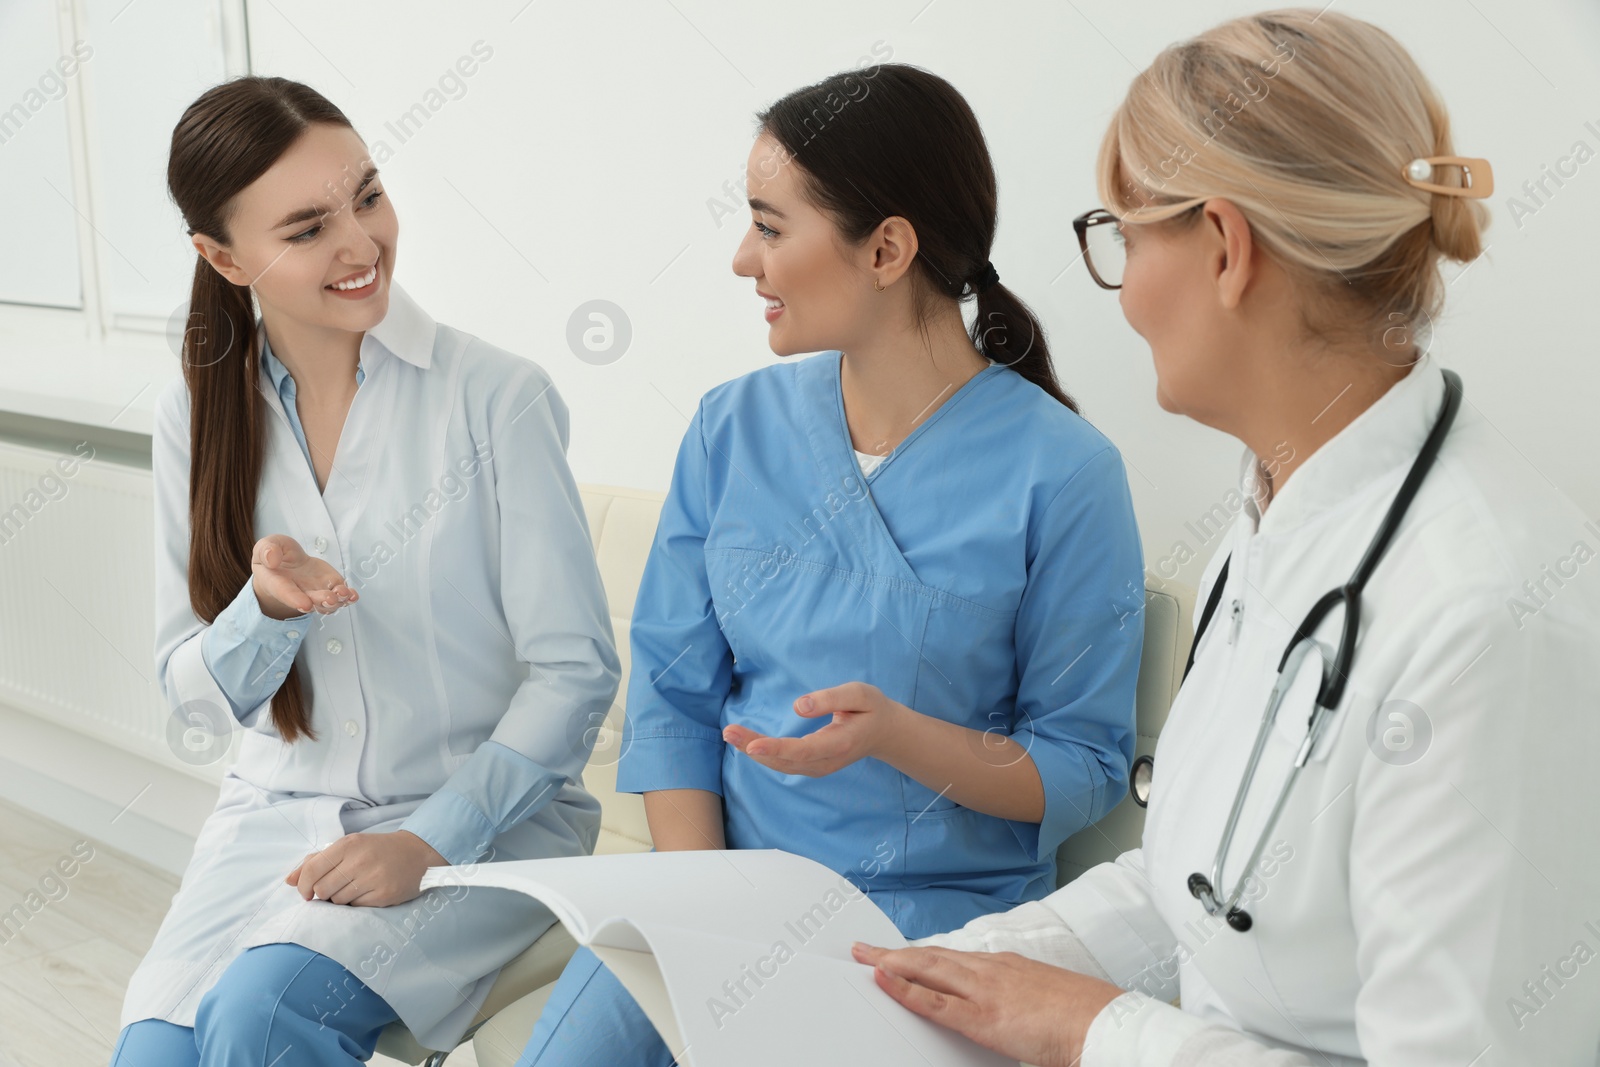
{"x":1020,"y":1008}
{"x":367,"y":870}
{"x":863,"y":719}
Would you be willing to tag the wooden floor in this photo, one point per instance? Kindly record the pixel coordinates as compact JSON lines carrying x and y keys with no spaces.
{"x":62,"y":977}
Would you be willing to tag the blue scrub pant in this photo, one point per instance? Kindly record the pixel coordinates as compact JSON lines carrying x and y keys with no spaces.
{"x":275,"y":1004}
{"x":590,"y":1020}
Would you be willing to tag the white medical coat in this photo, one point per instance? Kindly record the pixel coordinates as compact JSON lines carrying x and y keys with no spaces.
{"x":457,"y":696}
{"x":1431,"y":893}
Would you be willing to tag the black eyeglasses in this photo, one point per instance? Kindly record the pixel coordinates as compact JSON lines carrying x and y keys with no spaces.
{"x":1101,"y":241}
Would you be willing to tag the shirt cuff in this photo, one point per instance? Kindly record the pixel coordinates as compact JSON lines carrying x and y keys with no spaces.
{"x":244,"y":620}
{"x":248,"y":653}
{"x":496,"y":789}
{"x":453,"y":826}
{"x":670,"y":761}
{"x":1030,"y":929}
{"x":1108,"y":909}
{"x":1138,"y":1031}
{"x":960,"y":940}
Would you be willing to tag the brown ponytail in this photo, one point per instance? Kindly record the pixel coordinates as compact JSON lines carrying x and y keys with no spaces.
{"x":227,"y":139}
{"x":894,"y":139}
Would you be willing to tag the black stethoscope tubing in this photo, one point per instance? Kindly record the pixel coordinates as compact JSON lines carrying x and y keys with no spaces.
{"x":1334,"y":679}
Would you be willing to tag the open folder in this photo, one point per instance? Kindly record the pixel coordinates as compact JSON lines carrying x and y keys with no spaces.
{"x":737,"y":957}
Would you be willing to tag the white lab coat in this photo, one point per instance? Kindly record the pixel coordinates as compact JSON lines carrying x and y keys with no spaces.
{"x":452,"y":510}
{"x":1444,"y":910}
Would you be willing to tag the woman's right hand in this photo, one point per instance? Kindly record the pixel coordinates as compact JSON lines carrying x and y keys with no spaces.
{"x":288,"y":581}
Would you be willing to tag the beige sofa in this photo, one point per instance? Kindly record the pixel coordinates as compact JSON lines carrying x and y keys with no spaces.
{"x":622,"y":523}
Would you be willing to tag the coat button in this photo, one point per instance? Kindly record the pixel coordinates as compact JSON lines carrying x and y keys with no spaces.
{"x":333,"y":645}
{"x":320,"y":544}
{"x":292,"y":634}
{"x":350,"y":727}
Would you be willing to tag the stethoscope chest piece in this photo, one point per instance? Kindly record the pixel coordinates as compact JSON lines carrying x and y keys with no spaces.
{"x":1139,"y":777}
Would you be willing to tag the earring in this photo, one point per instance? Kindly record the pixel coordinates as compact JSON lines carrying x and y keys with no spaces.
{"x":876,"y":286}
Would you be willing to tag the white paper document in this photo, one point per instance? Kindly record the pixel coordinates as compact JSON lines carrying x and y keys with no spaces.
{"x":738,"y":957}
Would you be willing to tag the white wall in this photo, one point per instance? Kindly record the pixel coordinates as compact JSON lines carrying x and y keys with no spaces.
{"x":579,"y":160}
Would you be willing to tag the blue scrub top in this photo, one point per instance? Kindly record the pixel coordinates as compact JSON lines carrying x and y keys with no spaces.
{"x":991,"y":576}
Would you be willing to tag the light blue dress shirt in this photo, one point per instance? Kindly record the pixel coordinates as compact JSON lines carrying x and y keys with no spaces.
{"x":455,"y":699}
{"x":248,"y":653}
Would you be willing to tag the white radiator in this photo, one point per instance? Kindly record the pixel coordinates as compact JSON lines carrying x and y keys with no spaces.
{"x":77,"y":615}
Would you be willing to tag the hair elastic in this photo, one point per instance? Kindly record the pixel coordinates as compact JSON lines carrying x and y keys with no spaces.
{"x":989,"y":276}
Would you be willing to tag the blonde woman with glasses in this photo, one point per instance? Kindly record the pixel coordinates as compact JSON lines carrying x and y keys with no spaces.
{"x":1371,"y":812}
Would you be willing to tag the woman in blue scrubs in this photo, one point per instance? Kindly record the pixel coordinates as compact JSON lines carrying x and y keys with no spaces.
{"x":891,"y":617}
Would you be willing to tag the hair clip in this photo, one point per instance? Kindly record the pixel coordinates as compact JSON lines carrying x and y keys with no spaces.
{"x":1478,"y":174}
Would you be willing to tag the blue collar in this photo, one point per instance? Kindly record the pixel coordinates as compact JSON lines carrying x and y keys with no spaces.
{"x":281,"y":379}
{"x":407,"y":331}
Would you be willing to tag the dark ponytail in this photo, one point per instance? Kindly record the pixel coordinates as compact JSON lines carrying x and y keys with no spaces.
{"x":894,"y":139}
{"x":227,"y":139}
{"x":1008,"y":332}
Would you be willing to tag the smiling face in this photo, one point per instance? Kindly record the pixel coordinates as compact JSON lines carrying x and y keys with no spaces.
{"x":317,"y":218}
{"x":818,"y":291}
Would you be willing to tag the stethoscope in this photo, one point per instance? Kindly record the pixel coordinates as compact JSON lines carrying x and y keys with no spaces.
{"x":1301,"y":645}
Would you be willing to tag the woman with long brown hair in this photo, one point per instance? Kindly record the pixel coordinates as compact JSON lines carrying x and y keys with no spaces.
{"x":372,"y":556}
